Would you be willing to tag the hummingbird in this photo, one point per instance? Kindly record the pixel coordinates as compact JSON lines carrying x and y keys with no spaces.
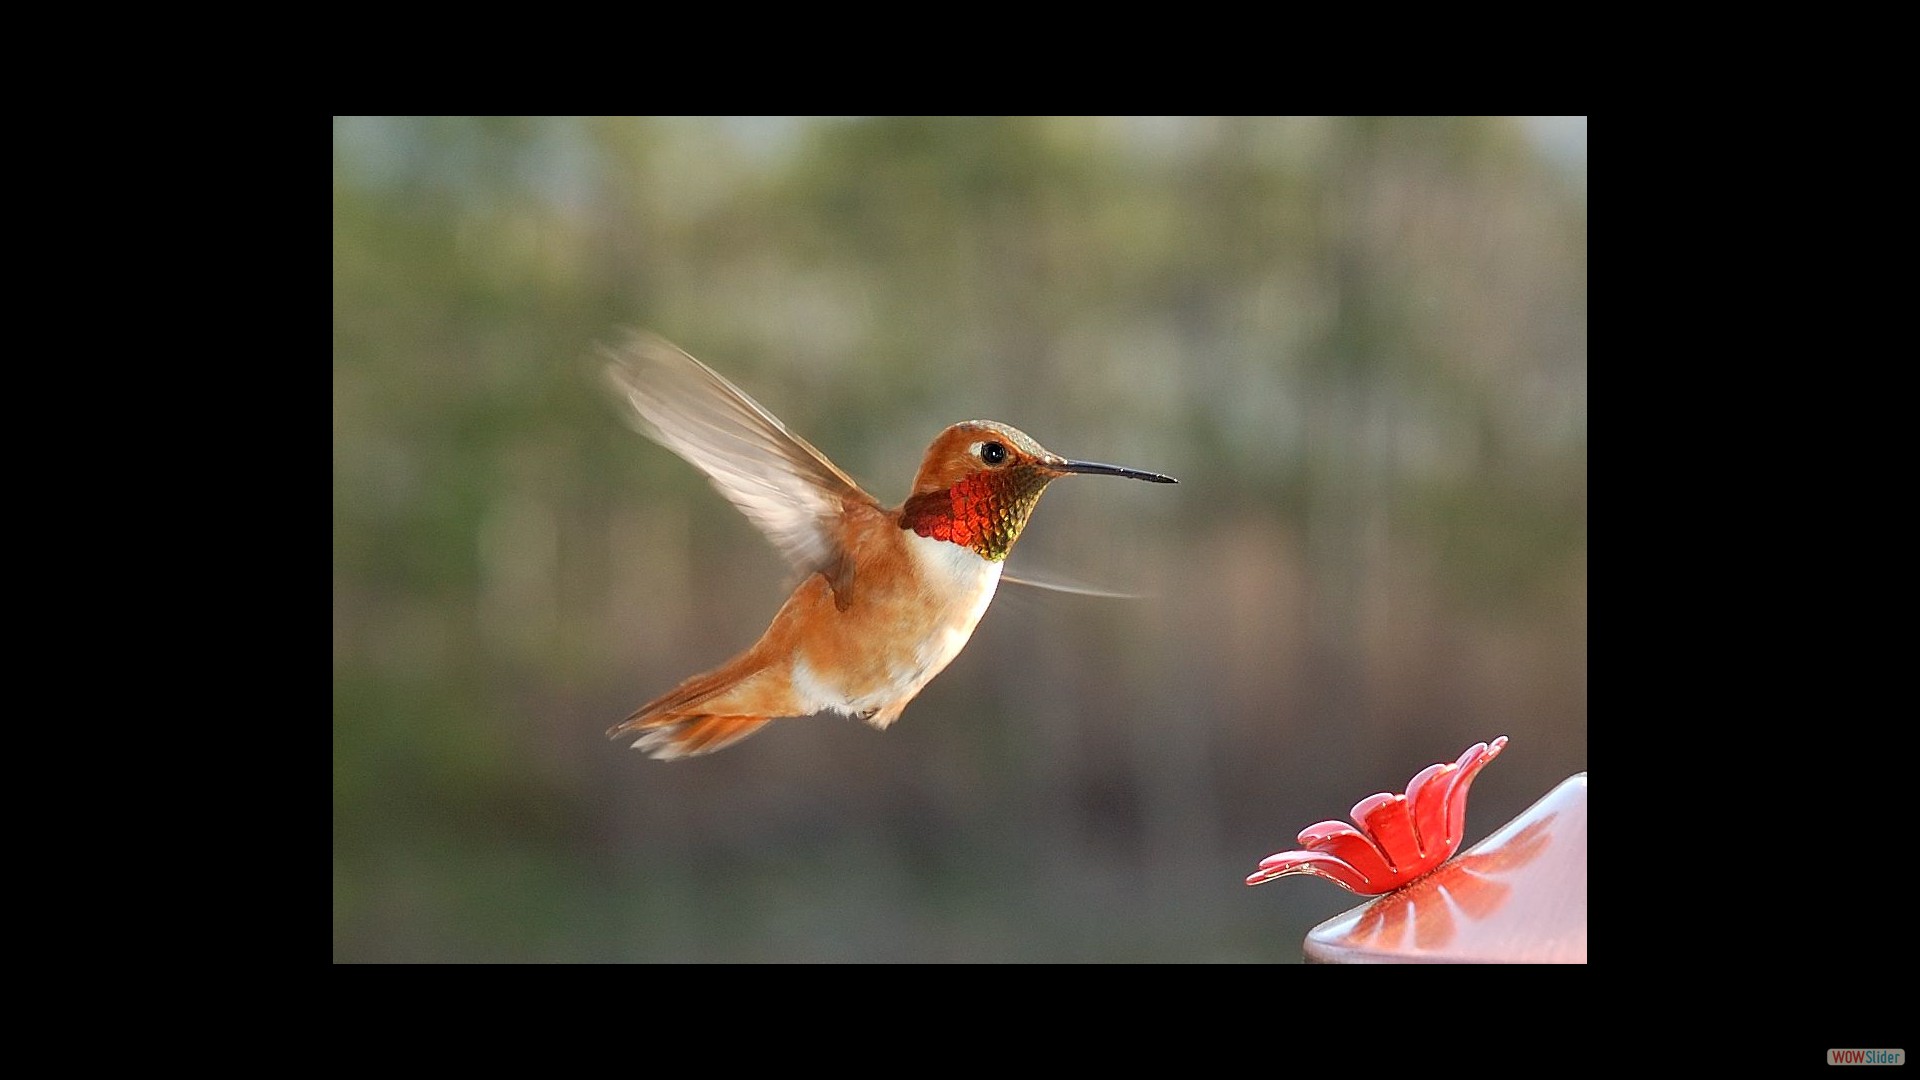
{"x":886,"y":598}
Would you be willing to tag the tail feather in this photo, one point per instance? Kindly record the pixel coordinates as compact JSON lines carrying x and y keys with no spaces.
{"x":701,"y":715}
{"x":668,"y":738}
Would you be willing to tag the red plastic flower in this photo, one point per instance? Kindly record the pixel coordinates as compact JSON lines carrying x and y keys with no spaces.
{"x":1400,"y":838}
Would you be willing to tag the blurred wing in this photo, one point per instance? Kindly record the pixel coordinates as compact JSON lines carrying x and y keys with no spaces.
{"x":1046,"y":579}
{"x":776,"y":478}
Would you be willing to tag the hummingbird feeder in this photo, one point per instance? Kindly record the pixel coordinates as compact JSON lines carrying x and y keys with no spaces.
{"x":1399,"y":837}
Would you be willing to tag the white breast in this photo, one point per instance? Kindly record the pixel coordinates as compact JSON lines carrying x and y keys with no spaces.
{"x":965,"y":582}
{"x":972,"y":580}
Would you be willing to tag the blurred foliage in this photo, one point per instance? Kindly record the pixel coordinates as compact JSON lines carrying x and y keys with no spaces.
{"x":1360,"y":344}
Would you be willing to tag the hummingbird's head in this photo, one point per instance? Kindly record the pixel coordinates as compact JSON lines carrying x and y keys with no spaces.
{"x":979,"y":481}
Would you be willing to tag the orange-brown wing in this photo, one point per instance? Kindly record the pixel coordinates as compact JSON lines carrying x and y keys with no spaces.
{"x":784,"y":486}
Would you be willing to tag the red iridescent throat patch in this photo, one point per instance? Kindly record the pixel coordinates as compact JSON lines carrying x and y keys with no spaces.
{"x":985,"y":512}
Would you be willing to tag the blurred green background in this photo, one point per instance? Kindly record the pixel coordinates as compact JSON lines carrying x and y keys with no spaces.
{"x":1361,"y":344}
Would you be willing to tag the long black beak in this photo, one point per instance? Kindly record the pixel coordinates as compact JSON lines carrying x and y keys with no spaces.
{"x":1064,"y":465}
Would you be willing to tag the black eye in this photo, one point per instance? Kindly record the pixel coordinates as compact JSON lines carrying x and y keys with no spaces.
{"x":993,"y":453}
